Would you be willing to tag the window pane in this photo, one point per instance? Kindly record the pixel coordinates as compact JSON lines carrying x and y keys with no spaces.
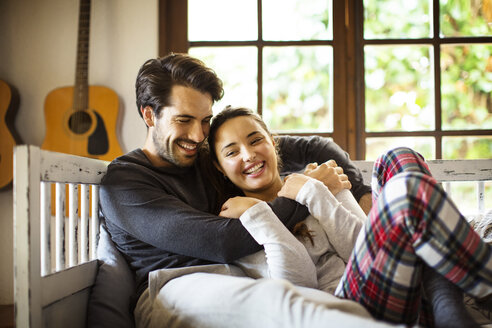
{"x":222,"y":20}
{"x":377,"y":146}
{"x":466,"y":18}
{"x":399,"y":92}
{"x":467,"y":147}
{"x":237,"y":67}
{"x":297,"y":88}
{"x":285,"y":20}
{"x":397,"y":19}
{"x":465,"y":196}
{"x":466,"y":86}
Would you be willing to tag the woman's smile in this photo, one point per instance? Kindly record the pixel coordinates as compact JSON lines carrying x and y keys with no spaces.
{"x":255,"y":170}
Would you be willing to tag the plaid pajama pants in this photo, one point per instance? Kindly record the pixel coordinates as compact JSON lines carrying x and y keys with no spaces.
{"x":412,"y":223}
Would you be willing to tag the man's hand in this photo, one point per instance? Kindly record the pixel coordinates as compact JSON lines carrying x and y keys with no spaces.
{"x":330,"y":174}
{"x":236,"y":206}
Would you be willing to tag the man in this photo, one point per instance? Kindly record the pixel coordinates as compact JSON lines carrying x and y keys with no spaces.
{"x":157,"y":200}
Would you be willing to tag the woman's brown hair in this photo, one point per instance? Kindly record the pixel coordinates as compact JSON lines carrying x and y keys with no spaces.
{"x":224,"y":185}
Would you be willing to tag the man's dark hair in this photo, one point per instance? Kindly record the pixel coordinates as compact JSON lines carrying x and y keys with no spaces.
{"x":156,"y":78}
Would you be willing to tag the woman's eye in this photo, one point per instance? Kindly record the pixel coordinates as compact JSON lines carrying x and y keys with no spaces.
{"x":256,"y":140}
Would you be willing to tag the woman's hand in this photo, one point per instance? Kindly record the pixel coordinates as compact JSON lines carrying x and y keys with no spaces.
{"x":330,"y":174}
{"x":236,"y":206}
{"x":292,"y":184}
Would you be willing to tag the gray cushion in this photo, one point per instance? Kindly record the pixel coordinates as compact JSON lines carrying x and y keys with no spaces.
{"x":112,"y":296}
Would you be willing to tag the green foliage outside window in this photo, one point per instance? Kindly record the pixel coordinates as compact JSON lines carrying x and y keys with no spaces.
{"x":297,"y":84}
{"x":399,"y":92}
{"x":399,"y":88}
{"x":466,"y":17}
{"x":466,"y":86}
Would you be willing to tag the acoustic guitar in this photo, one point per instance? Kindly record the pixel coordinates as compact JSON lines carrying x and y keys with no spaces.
{"x":81,"y":120}
{"x":8,"y":136}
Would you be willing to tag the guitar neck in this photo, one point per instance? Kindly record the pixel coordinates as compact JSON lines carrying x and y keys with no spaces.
{"x":72,"y":126}
{"x":81,"y":97}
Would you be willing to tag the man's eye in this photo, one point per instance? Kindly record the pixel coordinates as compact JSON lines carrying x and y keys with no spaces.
{"x":183,"y":120}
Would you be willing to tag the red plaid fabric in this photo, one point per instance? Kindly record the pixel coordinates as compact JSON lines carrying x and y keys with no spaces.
{"x":412,"y":223}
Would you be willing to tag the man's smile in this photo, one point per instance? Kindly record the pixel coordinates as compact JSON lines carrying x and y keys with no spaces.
{"x":187,"y":147}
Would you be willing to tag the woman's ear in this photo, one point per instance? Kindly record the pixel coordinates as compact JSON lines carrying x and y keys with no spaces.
{"x":148,"y":115}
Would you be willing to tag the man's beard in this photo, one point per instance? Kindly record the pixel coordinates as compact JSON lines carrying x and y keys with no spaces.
{"x":165,"y":150}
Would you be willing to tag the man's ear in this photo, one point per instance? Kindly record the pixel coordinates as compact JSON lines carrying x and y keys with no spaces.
{"x":148,"y":115}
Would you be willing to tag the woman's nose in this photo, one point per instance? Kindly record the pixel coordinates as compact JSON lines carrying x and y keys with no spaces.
{"x":249,"y":154}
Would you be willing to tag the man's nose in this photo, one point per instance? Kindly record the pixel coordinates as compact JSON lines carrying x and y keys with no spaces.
{"x":197,"y":133}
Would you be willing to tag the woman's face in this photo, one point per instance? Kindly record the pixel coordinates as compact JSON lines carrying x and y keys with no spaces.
{"x":246,"y":155}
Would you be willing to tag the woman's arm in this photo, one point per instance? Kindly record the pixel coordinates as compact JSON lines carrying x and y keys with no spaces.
{"x":341,"y":225}
{"x":286,"y":257}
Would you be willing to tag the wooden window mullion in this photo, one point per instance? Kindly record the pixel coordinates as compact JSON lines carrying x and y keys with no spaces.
{"x":173,"y":26}
{"x":437,"y":78}
{"x":340,"y":110}
{"x":359,"y":84}
{"x":260,"y":59}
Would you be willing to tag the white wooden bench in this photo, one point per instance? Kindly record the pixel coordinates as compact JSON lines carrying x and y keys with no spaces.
{"x":450,"y":171}
{"x":54,"y":272}
{"x":54,"y":255}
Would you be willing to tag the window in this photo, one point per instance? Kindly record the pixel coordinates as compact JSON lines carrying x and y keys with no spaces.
{"x":427,"y":76}
{"x":370,"y":74}
{"x":267,"y":62}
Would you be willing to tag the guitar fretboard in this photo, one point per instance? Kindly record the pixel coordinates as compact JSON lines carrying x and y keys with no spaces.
{"x":80,"y":96}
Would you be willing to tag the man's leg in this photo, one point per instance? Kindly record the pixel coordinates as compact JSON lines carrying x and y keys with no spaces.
{"x":446,"y":301}
{"x":212,"y":300}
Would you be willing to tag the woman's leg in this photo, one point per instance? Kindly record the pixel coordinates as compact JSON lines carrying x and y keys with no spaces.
{"x":412,"y":222}
{"x":208,"y":300}
{"x":393,"y":162}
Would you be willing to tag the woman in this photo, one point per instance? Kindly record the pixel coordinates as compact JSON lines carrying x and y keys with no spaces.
{"x":412,"y":230}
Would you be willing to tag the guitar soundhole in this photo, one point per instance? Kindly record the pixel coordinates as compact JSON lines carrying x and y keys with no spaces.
{"x":79,"y":122}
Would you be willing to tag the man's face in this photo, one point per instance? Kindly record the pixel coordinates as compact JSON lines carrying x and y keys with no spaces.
{"x":182,"y":126}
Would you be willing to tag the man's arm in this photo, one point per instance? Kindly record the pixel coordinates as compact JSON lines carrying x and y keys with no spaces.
{"x":365,"y":202}
{"x":297,"y":152}
{"x":140,"y":206}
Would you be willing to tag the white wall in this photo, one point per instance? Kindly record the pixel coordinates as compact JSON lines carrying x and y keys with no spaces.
{"x":37,"y":54}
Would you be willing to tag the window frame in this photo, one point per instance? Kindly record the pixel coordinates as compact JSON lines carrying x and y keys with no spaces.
{"x":348,"y":57}
{"x":435,"y":42}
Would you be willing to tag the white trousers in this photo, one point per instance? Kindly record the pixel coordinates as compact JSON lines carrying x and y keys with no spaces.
{"x":215,"y":300}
